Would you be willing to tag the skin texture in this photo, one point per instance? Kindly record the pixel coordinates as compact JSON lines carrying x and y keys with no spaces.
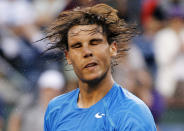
{"x":90,"y":55}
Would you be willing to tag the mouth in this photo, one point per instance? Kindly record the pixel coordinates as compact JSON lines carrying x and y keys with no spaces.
{"x":89,"y":65}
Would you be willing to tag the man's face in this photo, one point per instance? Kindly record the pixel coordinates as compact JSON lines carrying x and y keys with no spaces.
{"x":89,"y":52}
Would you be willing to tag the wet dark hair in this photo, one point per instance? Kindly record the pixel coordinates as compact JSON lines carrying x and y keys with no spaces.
{"x":103,"y":15}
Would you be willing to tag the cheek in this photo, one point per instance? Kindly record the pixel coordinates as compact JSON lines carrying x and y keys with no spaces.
{"x":105,"y":57}
{"x":76,"y":62}
{"x":74,"y":58}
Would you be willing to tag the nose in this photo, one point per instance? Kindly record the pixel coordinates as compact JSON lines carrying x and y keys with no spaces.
{"x":87,"y":52}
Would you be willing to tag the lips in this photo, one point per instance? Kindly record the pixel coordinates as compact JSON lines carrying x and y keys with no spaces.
{"x":92,"y":64}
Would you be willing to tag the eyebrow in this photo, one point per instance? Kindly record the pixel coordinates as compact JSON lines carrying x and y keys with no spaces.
{"x":96,"y":39}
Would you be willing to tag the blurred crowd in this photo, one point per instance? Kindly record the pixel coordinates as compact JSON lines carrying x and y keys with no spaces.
{"x":30,"y":77}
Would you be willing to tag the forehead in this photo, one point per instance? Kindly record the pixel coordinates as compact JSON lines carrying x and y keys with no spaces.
{"x":89,"y":30}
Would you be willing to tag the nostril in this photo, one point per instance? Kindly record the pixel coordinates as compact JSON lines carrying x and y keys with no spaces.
{"x":88,"y":55}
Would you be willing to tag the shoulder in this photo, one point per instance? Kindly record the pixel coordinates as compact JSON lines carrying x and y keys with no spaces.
{"x":123,"y":100}
{"x":131,"y":103}
{"x":59,"y":102}
{"x":133,"y":112}
{"x":62,"y":98}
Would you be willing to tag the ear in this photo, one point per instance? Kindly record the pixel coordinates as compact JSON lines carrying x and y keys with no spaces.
{"x":113,"y":49}
{"x":67,"y":57}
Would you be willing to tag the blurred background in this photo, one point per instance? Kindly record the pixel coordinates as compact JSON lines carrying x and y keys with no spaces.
{"x":153,"y":69}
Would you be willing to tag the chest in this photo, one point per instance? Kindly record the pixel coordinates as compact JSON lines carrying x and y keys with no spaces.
{"x":90,"y":120}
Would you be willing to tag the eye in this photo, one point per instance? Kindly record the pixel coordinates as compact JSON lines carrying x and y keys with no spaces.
{"x":95,"y":41}
{"x":76,"y":45}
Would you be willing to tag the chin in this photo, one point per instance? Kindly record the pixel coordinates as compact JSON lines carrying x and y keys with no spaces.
{"x":95,"y":80}
{"x":92,"y":81}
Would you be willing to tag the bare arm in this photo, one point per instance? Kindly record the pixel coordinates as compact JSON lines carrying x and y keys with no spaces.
{"x":14,"y":122}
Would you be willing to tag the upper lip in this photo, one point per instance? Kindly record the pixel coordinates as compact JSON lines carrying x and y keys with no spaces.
{"x":90,"y":64}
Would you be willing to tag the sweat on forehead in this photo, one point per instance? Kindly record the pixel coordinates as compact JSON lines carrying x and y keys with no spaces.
{"x":91,"y":30}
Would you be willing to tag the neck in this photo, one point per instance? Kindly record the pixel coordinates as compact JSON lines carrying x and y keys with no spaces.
{"x":91,"y":94}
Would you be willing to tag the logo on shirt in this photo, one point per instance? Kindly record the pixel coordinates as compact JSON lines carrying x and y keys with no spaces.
{"x":99,"y":115}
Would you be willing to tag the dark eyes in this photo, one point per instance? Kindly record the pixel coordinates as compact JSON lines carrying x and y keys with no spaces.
{"x":95,"y":41}
{"x":76,"y":45}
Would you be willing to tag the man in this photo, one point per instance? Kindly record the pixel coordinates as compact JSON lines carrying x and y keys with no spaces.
{"x":90,"y":37}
